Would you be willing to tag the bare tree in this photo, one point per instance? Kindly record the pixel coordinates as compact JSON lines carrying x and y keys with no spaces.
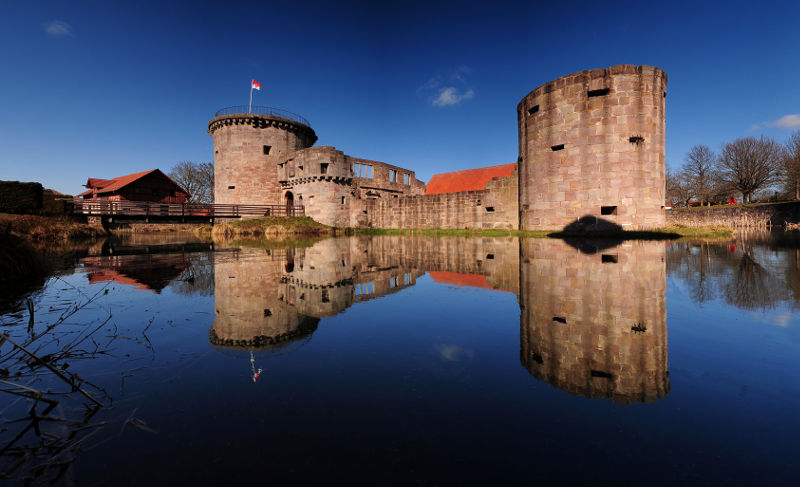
{"x":791,"y":165}
{"x":700,"y":172}
{"x":751,"y":164}
{"x":677,"y":187}
{"x":197,"y":178}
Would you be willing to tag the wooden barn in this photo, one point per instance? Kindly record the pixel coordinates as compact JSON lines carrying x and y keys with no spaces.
{"x":152,"y":185}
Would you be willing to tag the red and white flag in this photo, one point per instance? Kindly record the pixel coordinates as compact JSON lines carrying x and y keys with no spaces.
{"x":255,"y":85}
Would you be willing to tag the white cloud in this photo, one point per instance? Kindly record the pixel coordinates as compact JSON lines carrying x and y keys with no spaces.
{"x":791,"y":121}
{"x":451,"y":96}
{"x":457,"y":91}
{"x":787,"y":122}
{"x":57,"y":28}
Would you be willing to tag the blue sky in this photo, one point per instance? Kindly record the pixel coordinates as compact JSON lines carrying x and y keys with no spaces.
{"x":101,"y":89}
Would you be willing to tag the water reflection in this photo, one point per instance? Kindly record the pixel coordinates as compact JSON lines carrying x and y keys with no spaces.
{"x":595,"y":324}
{"x":151,"y":267}
{"x":746,"y":274}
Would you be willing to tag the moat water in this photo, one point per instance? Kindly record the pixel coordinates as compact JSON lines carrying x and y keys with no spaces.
{"x":399,"y":361}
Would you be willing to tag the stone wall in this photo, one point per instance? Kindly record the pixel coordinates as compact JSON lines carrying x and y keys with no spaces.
{"x":595,"y":324}
{"x":592,"y":144}
{"x":247,"y":150}
{"x":494,"y":207}
{"x":379,"y":185}
{"x":738,"y":216}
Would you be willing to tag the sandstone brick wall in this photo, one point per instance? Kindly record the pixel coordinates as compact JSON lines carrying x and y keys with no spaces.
{"x":738,"y":216}
{"x":593,"y":139}
{"x":494,"y":207}
{"x":243,"y":174}
{"x":595,"y":324}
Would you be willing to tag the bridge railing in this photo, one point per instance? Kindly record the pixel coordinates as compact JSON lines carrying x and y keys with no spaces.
{"x":182,"y":210}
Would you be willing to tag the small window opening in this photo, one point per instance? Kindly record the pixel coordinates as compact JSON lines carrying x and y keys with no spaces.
{"x":267,"y":149}
{"x":325,"y":298}
{"x":216,"y":152}
{"x":231,"y":187}
{"x":300,"y":167}
{"x":639,"y":328}
{"x":489,"y":256}
{"x":478,"y":203}
{"x":665,"y":94}
{"x":609,"y":258}
{"x":342,"y":199}
{"x":323,"y":168}
{"x":557,"y":147}
{"x":533,"y":109}
{"x":560,"y":319}
{"x":267,"y":313}
{"x":394,"y":196}
{"x":608,"y":210}
{"x":636,"y":139}
{"x":537,"y":358}
{"x":601,"y":374}
{"x":490,"y":209}
{"x":600,"y":92}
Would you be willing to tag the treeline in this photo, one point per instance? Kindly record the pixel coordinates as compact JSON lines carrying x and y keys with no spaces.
{"x":747,"y":165}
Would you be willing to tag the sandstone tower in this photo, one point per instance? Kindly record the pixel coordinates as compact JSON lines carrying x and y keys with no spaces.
{"x":591,"y":144}
{"x":248,"y":148}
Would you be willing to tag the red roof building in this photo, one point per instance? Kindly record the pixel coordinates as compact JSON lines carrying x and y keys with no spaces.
{"x":468,"y":180}
{"x":152,"y":185}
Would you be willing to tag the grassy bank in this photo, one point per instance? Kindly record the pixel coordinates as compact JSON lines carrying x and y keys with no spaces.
{"x":269,"y":227}
{"x":290,"y":228}
{"x":44,"y":230}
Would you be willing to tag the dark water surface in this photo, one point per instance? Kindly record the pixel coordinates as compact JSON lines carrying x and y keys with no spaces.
{"x":400,"y":360}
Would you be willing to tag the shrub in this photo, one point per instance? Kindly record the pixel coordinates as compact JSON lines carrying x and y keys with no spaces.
{"x":17,"y":197}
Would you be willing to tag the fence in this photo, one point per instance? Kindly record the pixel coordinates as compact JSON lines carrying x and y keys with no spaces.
{"x":180,"y":210}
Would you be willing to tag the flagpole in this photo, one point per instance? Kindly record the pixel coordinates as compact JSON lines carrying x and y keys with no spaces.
{"x":250,"y":105}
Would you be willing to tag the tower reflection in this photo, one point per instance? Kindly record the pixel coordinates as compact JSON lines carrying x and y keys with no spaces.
{"x":594,"y":324}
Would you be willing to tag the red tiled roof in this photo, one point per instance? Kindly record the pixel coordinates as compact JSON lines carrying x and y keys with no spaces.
{"x":468,"y":180}
{"x":110,"y":185}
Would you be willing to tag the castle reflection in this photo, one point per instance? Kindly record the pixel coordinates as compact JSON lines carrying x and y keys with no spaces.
{"x":594,"y":324}
{"x":590,"y":324}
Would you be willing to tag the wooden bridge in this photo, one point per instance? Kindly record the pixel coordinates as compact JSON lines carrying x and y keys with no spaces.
{"x":147,"y":210}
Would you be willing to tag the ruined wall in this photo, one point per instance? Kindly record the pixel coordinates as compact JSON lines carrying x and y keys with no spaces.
{"x":247,"y":149}
{"x":494,"y":207}
{"x":380,"y":185}
{"x":592,"y":144}
{"x":595,"y":324}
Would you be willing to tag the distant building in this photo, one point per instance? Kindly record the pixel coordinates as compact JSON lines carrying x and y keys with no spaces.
{"x":152,"y":185}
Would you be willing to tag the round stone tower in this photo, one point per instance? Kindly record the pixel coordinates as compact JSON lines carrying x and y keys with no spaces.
{"x":591,"y":151}
{"x":248,"y":148}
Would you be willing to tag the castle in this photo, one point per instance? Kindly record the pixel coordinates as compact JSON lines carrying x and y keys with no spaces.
{"x":591,"y":154}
